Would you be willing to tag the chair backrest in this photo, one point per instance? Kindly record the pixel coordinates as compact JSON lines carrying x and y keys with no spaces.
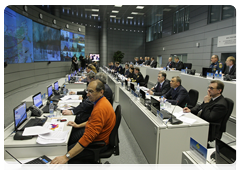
{"x":230,"y":104}
{"x":113,"y":138}
{"x":112,"y":99}
{"x":193,"y":95}
{"x":188,"y":65}
{"x":146,"y":80}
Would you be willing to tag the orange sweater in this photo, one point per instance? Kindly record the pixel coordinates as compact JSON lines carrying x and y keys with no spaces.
{"x":100,"y":123}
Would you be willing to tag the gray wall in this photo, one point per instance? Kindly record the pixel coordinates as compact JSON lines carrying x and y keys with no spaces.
{"x":185,"y":42}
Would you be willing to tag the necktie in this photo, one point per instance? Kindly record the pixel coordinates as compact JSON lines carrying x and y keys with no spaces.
{"x":160,"y":86}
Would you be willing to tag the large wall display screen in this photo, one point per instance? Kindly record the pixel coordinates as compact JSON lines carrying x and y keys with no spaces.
{"x":17,"y":38}
{"x":72,"y":45}
{"x":46,"y":43}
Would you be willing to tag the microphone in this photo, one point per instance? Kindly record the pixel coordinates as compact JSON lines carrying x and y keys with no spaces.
{"x":173,"y":119}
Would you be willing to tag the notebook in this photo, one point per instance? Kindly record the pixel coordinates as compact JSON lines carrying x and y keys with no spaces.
{"x":40,"y":163}
{"x":37,"y":101}
{"x":56,"y":87}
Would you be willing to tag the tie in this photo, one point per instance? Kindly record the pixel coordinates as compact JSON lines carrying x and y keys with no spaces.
{"x":160,"y":86}
{"x":229,"y":69}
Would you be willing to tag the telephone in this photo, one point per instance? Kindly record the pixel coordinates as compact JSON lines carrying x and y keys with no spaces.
{"x":35,"y":111}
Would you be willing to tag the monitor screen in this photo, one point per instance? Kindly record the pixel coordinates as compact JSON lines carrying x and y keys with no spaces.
{"x":132,"y":86}
{"x":49,"y":90}
{"x":126,"y":83}
{"x":206,"y":70}
{"x":20,"y":114}
{"x":37,"y":100}
{"x":155,"y":103}
{"x":142,"y":94}
{"x":94,"y":57}
{"x":69,"y":76}
{"x":56,"y":85}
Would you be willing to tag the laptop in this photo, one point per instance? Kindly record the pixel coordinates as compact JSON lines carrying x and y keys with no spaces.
{"x":206,"y":70}
{"x":40,"y":163}
{"x":56,"y":87}
{"x":155,"y":105}
{"x":20,"y":118}
{"x":50,"y":94}
{"x":126,"y":85}
{"x":143,"y":98}
{"x":132,"y":87}
{"x":37,"y":101}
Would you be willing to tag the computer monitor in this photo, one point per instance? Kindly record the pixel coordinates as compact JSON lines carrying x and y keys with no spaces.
{"x":49,"y":90}
{"x":94,"y":57}
{"x":69,"y":76}
{"x":56,"y":87}
{"x":20,"y":115}
{"x":206,"y":70}
{"x":224,"y":154}
{"x":37,"y":100}
{"x":155,"y":105}
{"x":132,"y":86}
{"x":143,"y":95}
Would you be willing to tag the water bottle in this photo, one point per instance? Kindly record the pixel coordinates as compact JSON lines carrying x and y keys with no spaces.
{"x":161,"y":102}
{"x":64,"y":90}
{"x":220,"y":74}
{"x":51,"y":108}
{"x":167,"y":68}
{"x":186,"y":70}
{"x":138,"y":90}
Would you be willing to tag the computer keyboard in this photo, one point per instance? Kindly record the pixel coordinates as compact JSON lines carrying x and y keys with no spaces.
{"x":34,"y":122}
{"x":41,"y":160}
{"x":166,"y":114}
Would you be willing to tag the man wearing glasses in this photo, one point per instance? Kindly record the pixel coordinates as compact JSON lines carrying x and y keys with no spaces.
{"x":97,"y":128}
{"x":214,"y":106}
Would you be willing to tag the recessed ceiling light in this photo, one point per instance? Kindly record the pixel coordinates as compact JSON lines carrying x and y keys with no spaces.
{"x":94,"y":15}
{"x":129,"y":17}
{"x":118,"y":5}
{"x":95,"y":10}
{"x":113,"y":16}
{"x":140,"y":7}
{"x":134,"y":13}
{"x":115,"y":11}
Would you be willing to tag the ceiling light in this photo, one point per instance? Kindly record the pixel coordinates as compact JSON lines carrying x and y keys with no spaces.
{"x":95,"y":10}
{"x":94,"y":15}
{"x":113,"y":16}
{"x":129,"y":17}
{"x":118,"y":5}
{"x":115,"y":11}
{"x":134,"y":13}
{"x":226,"y":8}
{"x":140,"y":7}
{"x":167,"y":9}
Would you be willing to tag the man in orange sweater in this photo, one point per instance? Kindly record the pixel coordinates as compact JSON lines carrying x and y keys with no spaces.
{"x":97,"y":128}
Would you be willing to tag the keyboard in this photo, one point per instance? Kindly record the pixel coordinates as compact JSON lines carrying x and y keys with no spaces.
{"x":34,"y":122}
{"x":41,"y":160}
{"x":166,"y":114}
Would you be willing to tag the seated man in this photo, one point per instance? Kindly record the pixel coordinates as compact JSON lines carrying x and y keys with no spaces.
{"x":126,"y":70}
{"x":131,"y":73}
{"x":177,"y":94}
{"x":138,"y":78}
{"x":153,"y":63}
{"x":98,"y":127}
{"x":216,"y":65}
{"x":118,"y":68}
{"x":170,"y":63}
{"x":214,"y":106}
{"x":141,"y":60}
{"x":178,"y":65}
{"x":230,"y":70}
{"x":162,"y":87}
{"x":89,"y":68}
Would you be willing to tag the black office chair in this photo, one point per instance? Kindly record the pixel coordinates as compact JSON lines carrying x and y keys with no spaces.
{"x":216,"y":129}
{"x":113,"y":96}
{"x":188,"y":65}
{"x":193,"y":95}
{"x":146,"y":80}
{"x":113,"y":146}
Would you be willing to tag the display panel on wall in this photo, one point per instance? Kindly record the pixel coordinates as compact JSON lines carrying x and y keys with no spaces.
{"x":46,"y":43}
{"x":94,"y":57}
{"x":72,"y":45}
{"x":18,"y":46}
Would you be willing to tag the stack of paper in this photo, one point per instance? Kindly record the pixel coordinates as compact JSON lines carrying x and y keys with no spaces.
{"x":53,"y":137}
{"x":70,"y":97}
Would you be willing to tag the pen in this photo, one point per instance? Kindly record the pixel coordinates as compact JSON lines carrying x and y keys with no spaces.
{"x":186,"y":105}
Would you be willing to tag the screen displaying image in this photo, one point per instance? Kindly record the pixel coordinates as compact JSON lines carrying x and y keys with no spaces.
{"x":72,"y":45}
{"x":46,"y":43}
{"x":18,"y":47}
{"x":94,"y":57}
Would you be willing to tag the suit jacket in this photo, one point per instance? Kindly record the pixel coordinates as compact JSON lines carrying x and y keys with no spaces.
{"x":178,"y":66}
{"x":147,"y":62}
{"x":170,"y":64}
{"x":232,"y":72}
{"x":119,"y":69}
{"x":139,"y":79}
{"x":179,"y":95}
{"x":126,"y":73}
{"x":131,"y":75}
{"x":153,"y":64}
{"x":214,"y":111}
{"x":163,"y":90}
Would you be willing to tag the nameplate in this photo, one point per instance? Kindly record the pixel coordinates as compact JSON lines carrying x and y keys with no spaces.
{"x":210,"y":75}
{"x":198,"y":150}
{"x":218,"y":77}
{"x":183,"y":71}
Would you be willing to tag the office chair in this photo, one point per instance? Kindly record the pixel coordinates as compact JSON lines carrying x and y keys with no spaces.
{"x":113,"y":146}
{"x":193,"y":94}
{"x":146,"y":80}
{"x":216,"y":129}
{"x":188,"y":65}
{"x":112,"y":99}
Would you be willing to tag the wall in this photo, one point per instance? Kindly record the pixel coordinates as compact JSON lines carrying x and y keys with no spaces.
{"x":185,"y":42}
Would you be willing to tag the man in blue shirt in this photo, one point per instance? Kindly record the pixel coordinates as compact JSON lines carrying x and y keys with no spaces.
{"x":215,"y":64}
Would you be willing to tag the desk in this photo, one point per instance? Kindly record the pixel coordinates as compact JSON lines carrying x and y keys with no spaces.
{"x":160,"y":143}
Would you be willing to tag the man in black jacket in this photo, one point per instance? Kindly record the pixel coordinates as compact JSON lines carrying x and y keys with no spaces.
{"x":138,"y":77}
{"x":177,"y":94}
{"x":170,"y":63}
{"x":214,"y":106}
{"x":230,"y":70}
{"x":162,"y":87}
{"x":118,"y":68}
{"x":178,"y":65}
{"x":153,"y":63}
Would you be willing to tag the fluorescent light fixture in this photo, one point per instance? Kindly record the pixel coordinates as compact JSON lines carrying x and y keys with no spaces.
{"x":113,"y":16}
{"x":134,"y":13}
{"x":118,"y":5}
{"x":167,"y":9}
{"x":115,"y":11}
{"x":94,"y":15}
{"x":129,"y":17}
{"x":140,"y":7}
{"x":95,"y":10}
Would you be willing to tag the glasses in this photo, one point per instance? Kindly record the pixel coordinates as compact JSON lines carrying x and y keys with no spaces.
{"x":90,"y":91}
{"x":211,"y":88}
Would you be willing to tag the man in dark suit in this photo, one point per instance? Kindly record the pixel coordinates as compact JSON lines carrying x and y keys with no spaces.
{"x":177,"y":94}
{"x":153,"y":63}
{"x":141,"y":61}
{"x":131,"y":74}
{"x":118,"y":68}
{"x":138,"y":77}
{"x":162,"y":87}
{"x":178,"y":65}
{"x":126,"y":70}
{"x":230,"y":70}
{"x":214,"y":106}
{"x":147,"y":61}
{"x":170,"y":63}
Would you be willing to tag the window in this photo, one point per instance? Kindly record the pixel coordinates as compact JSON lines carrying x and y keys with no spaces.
{"x":181,"y":20}
{"x":182,"y":57}
{"x":154,"y":31}
{"x":220,"y":12}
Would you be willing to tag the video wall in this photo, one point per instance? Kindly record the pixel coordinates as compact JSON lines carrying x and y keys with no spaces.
{"x":27,"y":41}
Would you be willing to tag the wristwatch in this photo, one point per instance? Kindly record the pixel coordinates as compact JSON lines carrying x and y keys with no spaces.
{"x":68,"y":156}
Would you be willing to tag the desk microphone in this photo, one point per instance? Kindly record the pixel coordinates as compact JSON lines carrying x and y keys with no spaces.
{"x":173,"y":119}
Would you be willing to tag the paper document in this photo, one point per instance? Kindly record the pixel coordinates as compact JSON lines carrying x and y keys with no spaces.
{"x":187,"y":120}
{"x":178,"y":114}
{"x":35,"y":130}
{"x":53,"y":137}
{"x":70,"y":97}
{"x":69,"y":101}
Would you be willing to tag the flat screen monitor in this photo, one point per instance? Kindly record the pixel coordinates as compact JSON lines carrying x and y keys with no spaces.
{"x":132,"y":86}
{"x":206,"y":70}
{"x":20,"y":114}
{"x":155,"y":106}
{"x":142,"y":94}
{"x":49,"y":90}
{"x":94,"y":57}
{"x":37,"y":100}
{"x":126,"y":83}
{"x":69,"y":76}
{"x":56,"y":87}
